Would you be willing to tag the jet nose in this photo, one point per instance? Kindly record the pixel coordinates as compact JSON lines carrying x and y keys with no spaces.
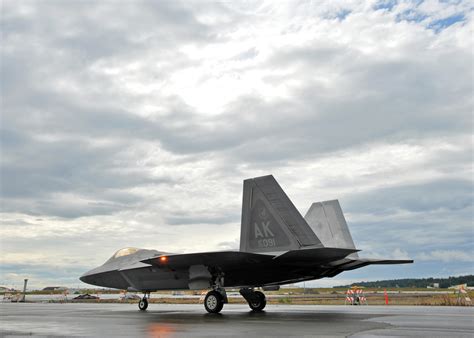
{"x":86,"y":277}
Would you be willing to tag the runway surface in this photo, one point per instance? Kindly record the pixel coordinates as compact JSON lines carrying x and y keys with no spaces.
{"x":177,"y":320}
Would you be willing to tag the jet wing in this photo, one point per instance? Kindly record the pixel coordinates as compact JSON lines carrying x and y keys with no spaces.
{"x":228,"y":259}
{"x":315,"y":255}
{"x":223,"y":259}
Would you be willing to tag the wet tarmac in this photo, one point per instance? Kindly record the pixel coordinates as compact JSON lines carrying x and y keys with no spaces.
{"x":178,"y":320}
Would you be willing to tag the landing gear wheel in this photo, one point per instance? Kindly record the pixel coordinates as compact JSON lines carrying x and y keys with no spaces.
{"x":259,"y":305}
{"x":143,"y":304}
{"x":213,"y":302}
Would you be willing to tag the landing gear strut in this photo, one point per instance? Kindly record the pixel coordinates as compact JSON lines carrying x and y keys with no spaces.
{"x":215,"y":299}
{"x":256,"y":299}
{"x":143,"y":303}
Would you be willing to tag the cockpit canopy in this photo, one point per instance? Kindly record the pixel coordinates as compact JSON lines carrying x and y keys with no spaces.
{"x":140,"y":254}
{"x":124,"y":252}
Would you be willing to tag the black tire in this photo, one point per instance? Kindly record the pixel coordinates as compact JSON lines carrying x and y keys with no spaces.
{"x":260,"y":304}
{"x":213,"y":302}
{"x":143,"y":304}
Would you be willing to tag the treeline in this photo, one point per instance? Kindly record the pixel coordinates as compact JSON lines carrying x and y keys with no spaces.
{"x":416,"y":282}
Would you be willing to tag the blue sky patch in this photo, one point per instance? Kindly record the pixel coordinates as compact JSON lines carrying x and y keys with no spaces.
{"x":385,"y":5}
{"x":342,"y":14}
{"x":410,"y":16}
{"x":439,"y":25}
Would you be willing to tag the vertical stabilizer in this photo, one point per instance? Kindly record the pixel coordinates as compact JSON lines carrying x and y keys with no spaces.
{"x":270,"y":221}
{"x":328,"y":222}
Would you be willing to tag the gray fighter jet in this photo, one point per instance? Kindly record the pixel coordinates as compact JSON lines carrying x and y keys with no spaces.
{"x":277,"y":246}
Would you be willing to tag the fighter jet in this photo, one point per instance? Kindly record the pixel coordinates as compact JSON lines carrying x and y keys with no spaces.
{"x":277,"y":246}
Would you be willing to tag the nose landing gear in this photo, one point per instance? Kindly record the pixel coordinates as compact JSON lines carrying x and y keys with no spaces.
{"x":143,"y":303}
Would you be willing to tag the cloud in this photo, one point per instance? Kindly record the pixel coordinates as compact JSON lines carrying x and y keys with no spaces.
{"x":447,"y":256}
{"x":137,"y":123}
{"x":230,"y":245}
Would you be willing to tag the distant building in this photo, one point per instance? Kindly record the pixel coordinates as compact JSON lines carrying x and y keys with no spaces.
{"x":462,"y":286}
{"x":5,"y":289}
{"x":433,"y":286}
{"x":55,"y":288}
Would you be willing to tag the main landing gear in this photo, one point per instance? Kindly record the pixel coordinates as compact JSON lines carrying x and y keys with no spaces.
{"x":143,"y":303}
{"x":215,"y":299}
{"x":256,"y":299}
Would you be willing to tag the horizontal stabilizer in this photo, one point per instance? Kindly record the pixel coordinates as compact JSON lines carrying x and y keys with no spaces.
{"x":360,"y":262}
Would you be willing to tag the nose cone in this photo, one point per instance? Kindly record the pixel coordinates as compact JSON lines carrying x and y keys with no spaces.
{"x":87,"y":277}
{"x":83,"y":278}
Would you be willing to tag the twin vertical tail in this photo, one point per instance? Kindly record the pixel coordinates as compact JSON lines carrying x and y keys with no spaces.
{"x":271,"y":222}
{"x":328,"y":222}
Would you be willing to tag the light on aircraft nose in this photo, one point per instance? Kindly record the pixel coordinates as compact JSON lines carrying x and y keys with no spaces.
{"x":163,"y":259}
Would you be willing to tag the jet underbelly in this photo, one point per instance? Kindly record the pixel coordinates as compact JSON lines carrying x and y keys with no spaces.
{"x":150,"y":278}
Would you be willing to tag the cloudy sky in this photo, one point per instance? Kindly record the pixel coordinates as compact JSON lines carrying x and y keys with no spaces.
{"x":134,"y":124}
